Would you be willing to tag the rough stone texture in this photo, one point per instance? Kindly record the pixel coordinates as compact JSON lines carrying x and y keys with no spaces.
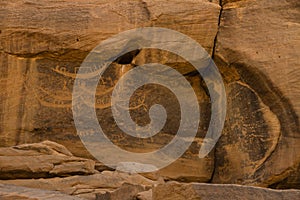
{"x":259,"y":41}
{"x":197,"y":191}
{"x":8,"y":192}
{"x":43,"y":43}
{"x":45,"y":159}
{"x":146,"y":195}
{"x":88,"y":186}
{"x":125,"y":192}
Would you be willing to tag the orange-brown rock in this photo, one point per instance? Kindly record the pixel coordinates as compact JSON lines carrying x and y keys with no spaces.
{"x":260,"y":41}
{"x":43,"y":43}
{"x":104,"y":184}
{"x":195,"y":191}
{"x":42,"y":46}
{"x":8,"y":192}
{"x":45,"y":159}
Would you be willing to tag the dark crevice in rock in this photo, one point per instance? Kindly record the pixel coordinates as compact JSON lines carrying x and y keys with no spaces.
{"x":213,"y":55}
{"x":62,"y":54}
{"x":219,"y":22}
{"x":214,"y":166}
{"x":23,"y":174}
{"x":127,"y":58}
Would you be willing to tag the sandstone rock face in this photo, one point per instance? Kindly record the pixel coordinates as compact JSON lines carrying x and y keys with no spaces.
{"x":107,"y":185}
{"x":49,"y":163}
{"x":45,"y":159}
{"x":255,"y":45}
{"x":42,"y":46}
{"x":194,"y":191}
{"x":261,"y":137}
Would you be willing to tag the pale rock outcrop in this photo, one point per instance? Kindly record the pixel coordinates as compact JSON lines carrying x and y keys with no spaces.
{"x":193,"y":191}
{"x":106,"y":184}
{"x":41,"y":160}
{"x":8,"y":192}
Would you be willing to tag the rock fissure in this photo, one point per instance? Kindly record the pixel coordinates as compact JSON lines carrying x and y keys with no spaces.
{"x":219,"y":23}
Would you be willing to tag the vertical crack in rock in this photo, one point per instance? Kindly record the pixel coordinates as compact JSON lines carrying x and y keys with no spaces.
{"x":214,"y":167}
{"x":213,"y":54}
{"x":219,"y":21}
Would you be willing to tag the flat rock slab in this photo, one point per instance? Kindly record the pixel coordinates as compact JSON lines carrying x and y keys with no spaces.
{"x":193,"y":191}
{"x":125,"y":192}
{"x":41,"y":160}
{"x":112,"y":183}
{"x":8,"y":192}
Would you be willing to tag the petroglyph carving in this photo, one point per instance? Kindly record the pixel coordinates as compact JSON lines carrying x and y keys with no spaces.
{"x":63,"y":97}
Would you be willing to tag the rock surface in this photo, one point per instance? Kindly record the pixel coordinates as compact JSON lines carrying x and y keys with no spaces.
{"x":146,"y":195}
{"x":261,"y":137}
{"x":194,"y":191}
{"x":56,"y":169}
{"x":45,"y":159}
{"x":43,"y":43}
{"x":42,"y":46}
{"x":109,"y":183}
{"x":8,"y":192}
{"x":126,"y":192}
